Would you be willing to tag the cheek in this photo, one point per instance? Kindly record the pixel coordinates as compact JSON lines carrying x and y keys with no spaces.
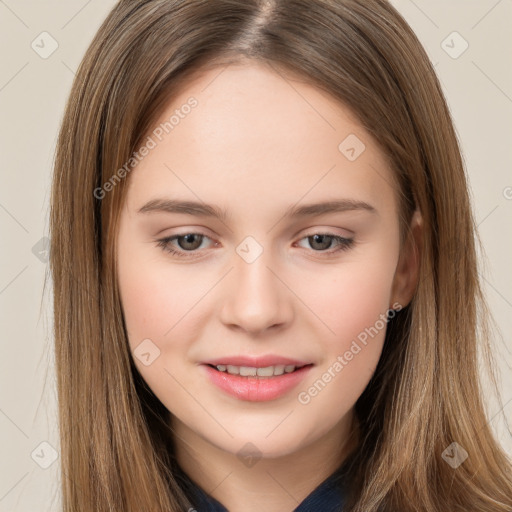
{"x":154,"y":298}
{"x":354,"y":307}
{"x":351,"y":298}
{"x":168,"y":305}
{"x":158,"y":306}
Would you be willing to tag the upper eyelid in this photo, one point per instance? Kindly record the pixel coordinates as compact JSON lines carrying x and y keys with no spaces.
{"x":315,"y":231}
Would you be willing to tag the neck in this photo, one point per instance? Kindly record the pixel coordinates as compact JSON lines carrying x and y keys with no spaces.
{"x":237,"y":482}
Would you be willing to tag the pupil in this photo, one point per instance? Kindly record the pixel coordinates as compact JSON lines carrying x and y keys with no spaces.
{"x":189,"y":239}
{"x":319,"y":238}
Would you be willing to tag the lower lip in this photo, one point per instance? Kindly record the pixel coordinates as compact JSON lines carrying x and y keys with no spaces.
{"x":256,"y":389}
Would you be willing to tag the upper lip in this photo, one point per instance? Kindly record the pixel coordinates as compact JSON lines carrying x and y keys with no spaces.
{"x":256,"y":361}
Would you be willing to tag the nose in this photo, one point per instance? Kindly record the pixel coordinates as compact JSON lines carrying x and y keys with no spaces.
{"x":256,"y":298}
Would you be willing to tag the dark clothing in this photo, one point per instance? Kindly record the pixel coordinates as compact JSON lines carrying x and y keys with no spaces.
{"x":327,"y":497}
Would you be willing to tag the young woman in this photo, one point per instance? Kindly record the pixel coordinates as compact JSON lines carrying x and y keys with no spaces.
{"x":263,"y":256}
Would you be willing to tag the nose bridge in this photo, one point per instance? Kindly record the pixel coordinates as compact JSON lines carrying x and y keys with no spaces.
{"x":256,"y":299}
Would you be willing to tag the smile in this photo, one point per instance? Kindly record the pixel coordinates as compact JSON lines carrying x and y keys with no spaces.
{"x":256,"y":384}
{"x":252,"y":371}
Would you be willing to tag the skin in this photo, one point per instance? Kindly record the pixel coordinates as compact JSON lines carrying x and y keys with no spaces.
{"x":258,"y":142}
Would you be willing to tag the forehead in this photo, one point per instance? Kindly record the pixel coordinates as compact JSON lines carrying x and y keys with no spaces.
{"x":256,"y":131}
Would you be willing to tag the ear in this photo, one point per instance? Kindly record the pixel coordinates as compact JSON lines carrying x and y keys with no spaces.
{"x":407,"y":270}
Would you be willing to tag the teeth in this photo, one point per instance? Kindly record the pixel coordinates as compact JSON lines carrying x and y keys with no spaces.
{"x":249,"y":371}
{"x":279,"y":369}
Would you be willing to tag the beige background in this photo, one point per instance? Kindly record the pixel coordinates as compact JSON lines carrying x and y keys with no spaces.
{"x":33,"y":90}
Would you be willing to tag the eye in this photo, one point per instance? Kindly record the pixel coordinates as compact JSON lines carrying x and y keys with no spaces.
{"x":324,"y":241}
{"x":191,"y":242}
{"x":188,"y":243}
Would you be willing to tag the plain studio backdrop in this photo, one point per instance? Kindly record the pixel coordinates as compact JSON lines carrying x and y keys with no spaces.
{"x":43,"y":43}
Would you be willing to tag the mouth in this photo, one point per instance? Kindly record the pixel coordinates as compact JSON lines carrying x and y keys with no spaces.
{"x":256,"y":384}
{"x":252,"y":371}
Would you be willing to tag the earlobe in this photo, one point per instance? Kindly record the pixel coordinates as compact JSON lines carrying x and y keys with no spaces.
{"x":407,"y":271}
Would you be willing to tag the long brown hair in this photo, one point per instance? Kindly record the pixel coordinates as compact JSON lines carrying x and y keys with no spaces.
{"x":117,"y":451}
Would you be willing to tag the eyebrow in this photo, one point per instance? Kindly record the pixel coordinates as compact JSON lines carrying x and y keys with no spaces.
{"x":200,"y":209}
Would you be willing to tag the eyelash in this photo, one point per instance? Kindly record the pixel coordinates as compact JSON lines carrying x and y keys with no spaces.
{"x":344,"y":244}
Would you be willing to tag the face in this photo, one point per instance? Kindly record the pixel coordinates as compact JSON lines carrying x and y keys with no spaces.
{"x":275,"y":280}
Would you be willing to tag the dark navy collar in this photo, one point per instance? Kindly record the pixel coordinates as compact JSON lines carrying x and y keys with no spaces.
{"x":329,"y":496}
